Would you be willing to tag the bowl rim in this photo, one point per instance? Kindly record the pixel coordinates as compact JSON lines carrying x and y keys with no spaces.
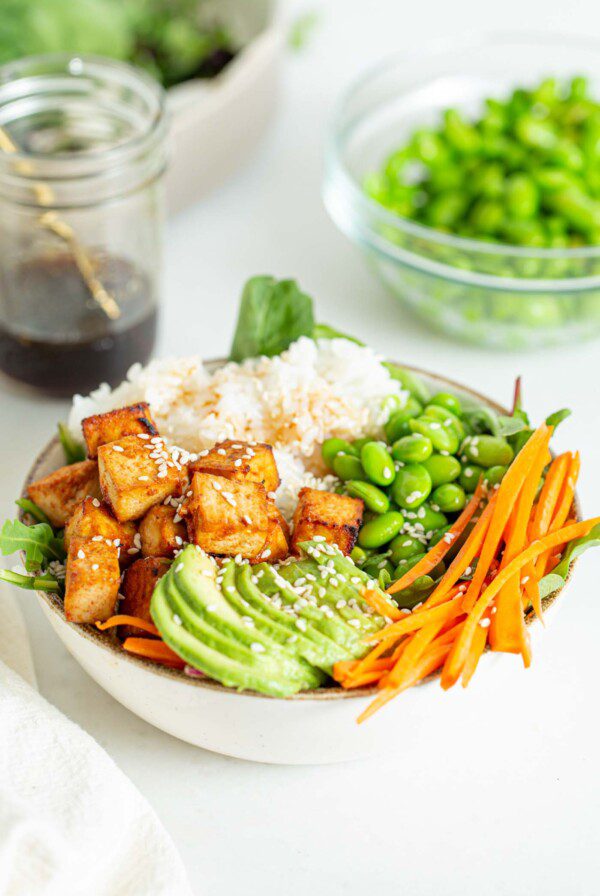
{"x":107,"y":641}
{"x":336,"y":166}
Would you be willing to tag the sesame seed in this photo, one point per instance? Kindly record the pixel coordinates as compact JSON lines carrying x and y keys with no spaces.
{"x":143,"y":478}
{"x":319,"y":538}
{"x":257,"y":648}
{"x":301,"y":624}
{"x":95,"y":502}
{"x":266,"y":553}
{"x":95,"y":566}
{"x":179,"y":567}
{"x":177,"y":619}
{"x":355,"y":623}
{"x":81,"y":554}
{"x":143,"y":435}
{"x":484,"y":623}
{"x":118,"y":448}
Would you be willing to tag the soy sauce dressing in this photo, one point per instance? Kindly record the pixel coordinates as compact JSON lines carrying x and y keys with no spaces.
{"x":46,"y":295}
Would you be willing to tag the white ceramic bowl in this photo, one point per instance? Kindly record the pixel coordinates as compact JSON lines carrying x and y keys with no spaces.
{"x":309,"y":728}
{"x":217,"y":123}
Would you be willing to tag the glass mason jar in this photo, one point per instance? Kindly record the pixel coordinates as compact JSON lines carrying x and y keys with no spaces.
{"x":82,"y":154}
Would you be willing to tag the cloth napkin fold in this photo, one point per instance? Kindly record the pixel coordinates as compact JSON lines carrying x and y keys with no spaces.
{"x":71,"y":823}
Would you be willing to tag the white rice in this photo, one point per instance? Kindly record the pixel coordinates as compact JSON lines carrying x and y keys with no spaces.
{"x":293,"y":402}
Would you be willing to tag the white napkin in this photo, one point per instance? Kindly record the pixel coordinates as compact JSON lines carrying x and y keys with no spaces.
{"x":70,"y":821}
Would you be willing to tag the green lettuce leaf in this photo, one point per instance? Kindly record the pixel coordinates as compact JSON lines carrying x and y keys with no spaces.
{"x":74,"y":450}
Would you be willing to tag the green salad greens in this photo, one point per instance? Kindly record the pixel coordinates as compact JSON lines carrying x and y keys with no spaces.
{"x":174,"y":40}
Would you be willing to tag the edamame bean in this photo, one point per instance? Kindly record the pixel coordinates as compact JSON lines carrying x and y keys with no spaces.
{"x":357,"y":444}
{"x":377,"y":463}
{"x":448,"y":401}
{"x":346,"y":466}
{"x":380,"y":530}
{"x":495,"y":475}
{"x":411,"y":486}
{"x":443,"y":438}
{"x":412,"y":449}
{"x":374,"y":498}
{"x":375,"y":564}
{"x":442,"y":468}
{"x":470,"y":476}
{"x":449,"y":498}
{"x":409,"y":598}
{"x":447,"y":418}
{"x":406,"y":564}
{"x":357,"y":555}
{"x":487,"y":451}
{"x":397,"y":424}
{"x":403,"y":547}
{"x":385,"y":577}
{"x":437,"y":536}
{"x":332,"y":447}
{"x":430,"y":519}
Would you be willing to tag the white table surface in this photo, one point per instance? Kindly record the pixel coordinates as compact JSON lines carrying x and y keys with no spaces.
{"x":502,"y":797}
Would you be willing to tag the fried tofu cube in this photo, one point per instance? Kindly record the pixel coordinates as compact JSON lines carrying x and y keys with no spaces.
{"x":92,"y":581}
{"x":114,"y":425}
{"x":240,"y":461}
{"x":162,"y":532}
{"x":227,"y":517}
{"x":137,"y":587}
{"x":336,"y":518}
{"x":59,"y":493}
{"x":277,"y":545}
{"x":135,"y":475}
{"x":93,"y":520}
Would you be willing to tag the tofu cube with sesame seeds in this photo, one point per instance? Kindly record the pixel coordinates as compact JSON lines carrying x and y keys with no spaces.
{"x":277,"y":545}
{"x":135,"y":475}
{"x":114,"y":425}
{"x":93,"y":520}
{"x":92,"y":581}
{"x":336,"y":518}
{"x":240,"y":461}
{"x":162,"y":531}
{"x":136,"y":589}
{"x":59,"y":493}
{"x":227,"y":517}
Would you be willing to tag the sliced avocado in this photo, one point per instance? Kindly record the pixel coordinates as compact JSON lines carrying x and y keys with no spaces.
{"x":255,"y":612}
{"x":193,"y":577}
{"x":199,"y":603}
{"x":317,"y":647}
{"x":323,"y":618}
{"x":212,"y":662}
{"x":332,"y":591}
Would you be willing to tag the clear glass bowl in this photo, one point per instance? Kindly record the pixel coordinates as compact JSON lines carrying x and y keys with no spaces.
{"x":487,"y":293}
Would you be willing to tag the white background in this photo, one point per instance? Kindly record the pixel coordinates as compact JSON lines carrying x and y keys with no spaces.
{"x":499,"y":796}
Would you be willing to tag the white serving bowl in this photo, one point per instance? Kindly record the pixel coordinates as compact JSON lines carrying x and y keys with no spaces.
{"x":216,"y":123}
{"x":309,"y":728}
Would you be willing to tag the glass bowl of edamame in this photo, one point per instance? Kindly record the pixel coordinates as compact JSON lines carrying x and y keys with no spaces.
{"x":470,"y":178}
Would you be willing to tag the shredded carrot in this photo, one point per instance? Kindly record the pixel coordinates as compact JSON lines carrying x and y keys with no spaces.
{"x":477,"y":647}
{"x":460,"y":649}
{"x":416,"y":620}
{"x":122,"y":619}
{"x":412,"y":653}
{"x":549,"y":495}
{"x":507,"y":493}
{"x":428,"y":663}
{"x":463,"y":559}
{"x":382,"y":605}
{"x":507,"y":630}
{"x":563,"y":507}
{"x":439,"y":551}
{"x":153,"y":650}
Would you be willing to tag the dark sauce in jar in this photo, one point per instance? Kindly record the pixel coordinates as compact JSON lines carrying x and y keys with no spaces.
{"x":55,"y":337}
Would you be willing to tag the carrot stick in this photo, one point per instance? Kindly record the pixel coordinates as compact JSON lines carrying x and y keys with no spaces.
{"x":412,"y":654}
{"x":549,"y":495}
{"x":477,"y":647}
{"x":382,"y":605}
{"x":457,"y":656}
{"x":153,"y":650}
{"x":416,"y":621}
{"x":366,"y":664}
{"x":564,"y":504}
{"x":507,"y":630}
{"x":122,"y":619}
{"x":463,"y":559}
{"x":431,"y":661}
{"x":510,"y":488}
{"x":439,"y":551}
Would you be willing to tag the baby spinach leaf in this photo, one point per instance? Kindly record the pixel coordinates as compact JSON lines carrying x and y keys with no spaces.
{"x":38,"y":542}
{"x":74,"y":450}
{"x":273,"y":314}
{"x":409,"y":381}
{"x":33,"y":510}
{"x":486,"y":420}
